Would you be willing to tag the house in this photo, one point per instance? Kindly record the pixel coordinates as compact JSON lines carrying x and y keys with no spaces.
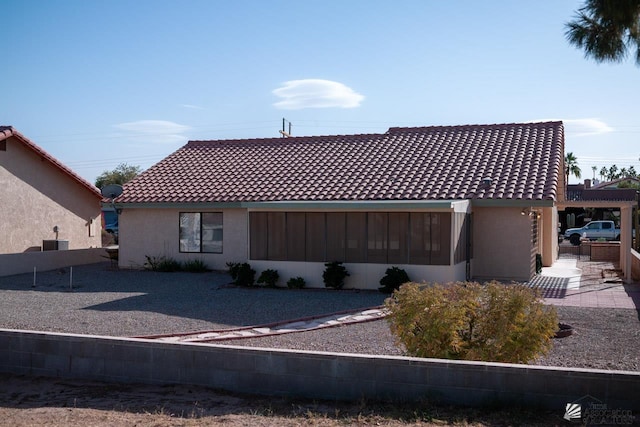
{"x":43,"y":203}
{"x":626,"y":182}
{"x":445,"y":203}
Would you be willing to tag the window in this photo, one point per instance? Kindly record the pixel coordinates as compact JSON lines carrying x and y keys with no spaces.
{"x":356,"y":237}
{"x":359,"y":237}
{"x":201,"y":232}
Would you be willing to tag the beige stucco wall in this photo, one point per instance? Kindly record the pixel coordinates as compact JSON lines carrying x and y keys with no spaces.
{"x":155,"y":232}
{"x":35,"y":196}
{"x":548,"y":235}
{"x":502,"y":244}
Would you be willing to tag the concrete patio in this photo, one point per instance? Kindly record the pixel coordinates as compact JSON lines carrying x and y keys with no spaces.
{"x":575,"y":282}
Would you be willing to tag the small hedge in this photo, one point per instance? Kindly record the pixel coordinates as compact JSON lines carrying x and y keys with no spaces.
{"x":394,"y":277}
{"x":490,"y":322}
{"x":334,"y":275}
{"x":241,"y":273}
{"x":296,"y":283}
{"x":269,"y":278}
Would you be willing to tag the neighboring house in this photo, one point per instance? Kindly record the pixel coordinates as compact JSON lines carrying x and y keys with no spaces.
{"x":445,"y":203}
{"x":43,"y":200}
{"x":627,"y":182}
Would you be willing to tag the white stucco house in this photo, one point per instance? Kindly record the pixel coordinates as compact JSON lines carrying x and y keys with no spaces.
{"x":446,"y":203}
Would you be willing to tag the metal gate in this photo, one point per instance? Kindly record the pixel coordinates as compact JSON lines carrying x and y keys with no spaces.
{"x":581,"y":252}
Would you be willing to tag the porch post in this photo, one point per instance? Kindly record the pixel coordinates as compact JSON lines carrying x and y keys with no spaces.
{"x":626,"y":225}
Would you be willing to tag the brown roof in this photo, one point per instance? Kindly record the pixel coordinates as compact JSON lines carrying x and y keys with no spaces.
{"x":8,"y":131}
{"x":522,"y":160}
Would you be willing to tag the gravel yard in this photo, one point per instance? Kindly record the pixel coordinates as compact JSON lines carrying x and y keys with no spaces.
{"x":102,"y":301}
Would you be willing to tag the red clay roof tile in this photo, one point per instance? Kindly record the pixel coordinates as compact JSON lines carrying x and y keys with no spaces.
{"x":522,"y":160}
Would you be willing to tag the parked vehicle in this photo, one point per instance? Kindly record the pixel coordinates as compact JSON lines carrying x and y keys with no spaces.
{"x":110,"y":221}
{"x":593,"y":231}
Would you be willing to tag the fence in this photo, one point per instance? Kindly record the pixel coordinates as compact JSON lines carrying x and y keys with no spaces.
{"x":21,"y":263}
{"x":316,"y":375}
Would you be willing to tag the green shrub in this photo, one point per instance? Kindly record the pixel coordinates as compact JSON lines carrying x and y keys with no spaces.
{"x":269,"y":278}
{"x":491,"y":322}
{"x":195,"y":266}
{"x":241,"y":274}
{"x":334,"y":275}
{"x":296,"y":283}
{"x":394,"y":277}
{"x":161,"y":263}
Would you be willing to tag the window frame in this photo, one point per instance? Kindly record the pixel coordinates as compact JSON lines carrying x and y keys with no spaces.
{"x":201,"y":230}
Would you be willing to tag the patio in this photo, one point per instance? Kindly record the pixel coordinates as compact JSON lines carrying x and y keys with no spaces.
{"x":573,"y":281}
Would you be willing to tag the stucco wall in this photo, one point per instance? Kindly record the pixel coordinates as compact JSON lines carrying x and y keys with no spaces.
{"x":502,"y":245}
{"x":49,"y":260}
{"x":155,"y":232}
{"x":36,"y":196}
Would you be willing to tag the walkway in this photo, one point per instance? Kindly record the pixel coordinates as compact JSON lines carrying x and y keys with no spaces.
{"x":285,"y":327}
{"x":573,"y":282}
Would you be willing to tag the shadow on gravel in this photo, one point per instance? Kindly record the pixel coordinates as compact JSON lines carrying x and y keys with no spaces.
{"x":633,"y":291}
{"x":202,"y":296}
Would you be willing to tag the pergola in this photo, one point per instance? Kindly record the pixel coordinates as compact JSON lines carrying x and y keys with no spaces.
{"x":623,"y":199}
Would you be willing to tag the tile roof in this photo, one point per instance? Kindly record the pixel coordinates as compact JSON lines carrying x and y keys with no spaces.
{"x":8,"y":131}
{"x":522,"y":160}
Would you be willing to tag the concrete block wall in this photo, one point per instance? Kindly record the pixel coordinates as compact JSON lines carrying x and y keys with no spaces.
{"x":605,"y":251}
{"x":11,"y":264}
{"x":314,"y":375}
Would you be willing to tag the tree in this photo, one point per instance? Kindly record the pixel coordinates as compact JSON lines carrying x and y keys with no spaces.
{"x":603,"y":173}
{"x":594,"y":169}
{"x":606,"y":30}
{"x":121,"y":174}
{"x":571,"y":166}
{"x":613,"y":173}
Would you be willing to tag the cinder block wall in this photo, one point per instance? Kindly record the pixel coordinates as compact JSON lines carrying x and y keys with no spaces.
{"x":49,"y":260}
{"x":310,"y":374}
{"x":605,"y":251}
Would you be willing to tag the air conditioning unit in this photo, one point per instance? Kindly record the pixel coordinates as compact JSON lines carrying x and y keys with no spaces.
{"x":55,"y":245}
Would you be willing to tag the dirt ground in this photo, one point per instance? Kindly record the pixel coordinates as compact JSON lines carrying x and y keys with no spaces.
{"x":28,"y":401}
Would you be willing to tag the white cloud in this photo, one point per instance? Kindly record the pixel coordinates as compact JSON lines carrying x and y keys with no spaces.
{"x":192,"y":107}
{"x":161,"y":131}
{"x":586,"y":127}
{"x":316,"y":93}
{"x":582,"y":127}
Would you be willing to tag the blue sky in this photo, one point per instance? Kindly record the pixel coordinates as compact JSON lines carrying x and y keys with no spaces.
{"x":98,"y":83}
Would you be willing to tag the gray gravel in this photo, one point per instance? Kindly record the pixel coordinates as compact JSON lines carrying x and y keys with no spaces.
{"x":135,"y":303}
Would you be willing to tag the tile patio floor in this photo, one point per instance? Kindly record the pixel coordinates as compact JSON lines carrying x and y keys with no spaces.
{"x":580,"y":283}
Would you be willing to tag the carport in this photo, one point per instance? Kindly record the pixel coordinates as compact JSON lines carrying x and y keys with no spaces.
{"x":623,"y":199}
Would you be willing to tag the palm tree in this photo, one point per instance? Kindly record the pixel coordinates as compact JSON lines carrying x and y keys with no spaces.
{"x":606,"y":29}
{"x":603,"y":173}
{"x":613,"y":172}
{"x":594,"y":169}
{"x":571,"y":166}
